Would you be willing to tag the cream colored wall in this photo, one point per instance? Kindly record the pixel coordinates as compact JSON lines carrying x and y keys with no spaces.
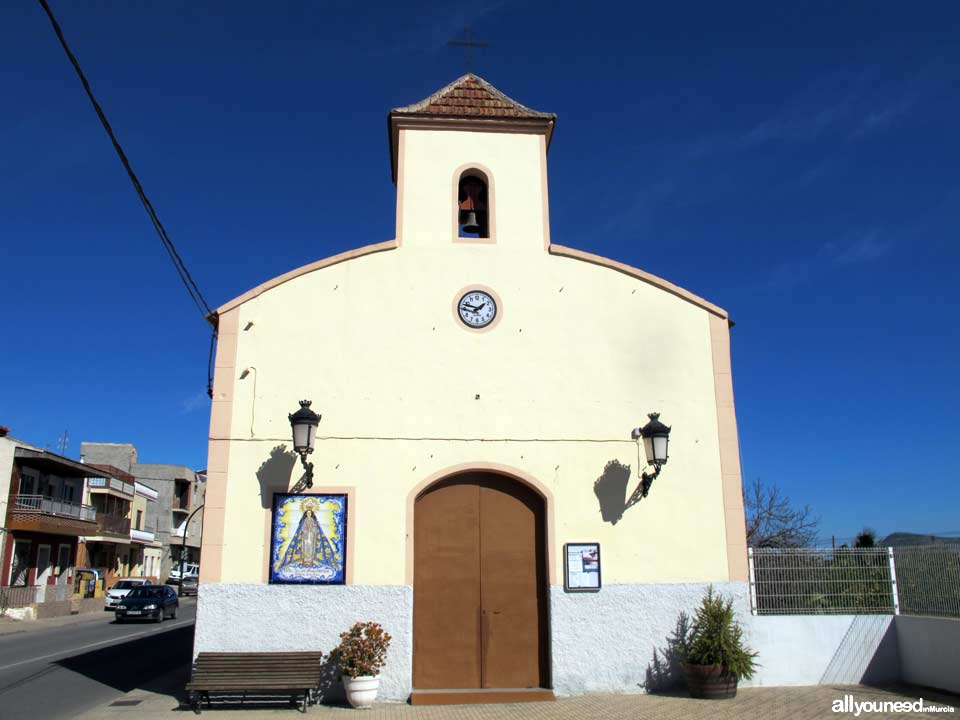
{"x":582,"y":353}
{"x":426,"y":183}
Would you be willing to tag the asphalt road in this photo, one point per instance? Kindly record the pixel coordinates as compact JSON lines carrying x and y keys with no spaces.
{"x":61,"y":672}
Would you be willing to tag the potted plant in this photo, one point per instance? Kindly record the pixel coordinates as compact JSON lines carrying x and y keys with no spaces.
{"x":715,"y":655}
{"x":362,"y":653}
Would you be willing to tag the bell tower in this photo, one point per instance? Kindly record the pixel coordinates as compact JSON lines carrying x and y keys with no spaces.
{"x":470,"y":166}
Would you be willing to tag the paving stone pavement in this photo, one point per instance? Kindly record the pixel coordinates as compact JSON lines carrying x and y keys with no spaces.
{"x":795,"y":703}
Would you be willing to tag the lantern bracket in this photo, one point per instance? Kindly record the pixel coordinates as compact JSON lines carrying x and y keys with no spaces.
{"x":650,"y":430}
{"x":306,"y":481}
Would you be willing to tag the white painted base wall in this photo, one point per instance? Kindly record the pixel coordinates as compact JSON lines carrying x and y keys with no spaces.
{"x":616,"y":640}
{"x":265,"y":618}
{"x":929,"y":651}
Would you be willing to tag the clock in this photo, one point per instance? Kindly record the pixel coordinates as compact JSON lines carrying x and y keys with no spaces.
{"x":477,"y":309}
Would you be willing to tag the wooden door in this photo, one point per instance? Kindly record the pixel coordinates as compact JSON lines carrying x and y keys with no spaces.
{"x":479,"y":608}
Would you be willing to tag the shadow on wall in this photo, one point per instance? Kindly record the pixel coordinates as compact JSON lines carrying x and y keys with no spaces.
{"x":611,"y":491}
{"x":867,"y":654}
{"x":274,"y":474}
{"x":665,"y":671}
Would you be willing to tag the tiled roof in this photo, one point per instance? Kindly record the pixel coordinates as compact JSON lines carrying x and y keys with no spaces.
{"x":471,"y":96}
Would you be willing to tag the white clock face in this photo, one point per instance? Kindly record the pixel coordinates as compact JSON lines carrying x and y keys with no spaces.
{"x":477,"y":309}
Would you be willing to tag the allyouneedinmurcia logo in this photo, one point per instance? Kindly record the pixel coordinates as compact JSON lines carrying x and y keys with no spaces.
{"x":857,"y":707}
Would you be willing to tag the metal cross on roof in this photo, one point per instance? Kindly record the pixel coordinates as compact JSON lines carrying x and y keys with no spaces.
{"x":469,"y":44}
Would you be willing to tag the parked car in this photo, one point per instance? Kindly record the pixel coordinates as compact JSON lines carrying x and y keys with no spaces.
{"x":188,"y":586}
{"x":154,"y":602}
{"x":189,"y":570}
{"x":120,"y":590}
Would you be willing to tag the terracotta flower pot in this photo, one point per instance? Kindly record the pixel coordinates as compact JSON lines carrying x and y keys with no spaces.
{"x":361,"y":691}
{"x":710,"y":682}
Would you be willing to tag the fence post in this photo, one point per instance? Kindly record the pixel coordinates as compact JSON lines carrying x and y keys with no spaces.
{"x":893,"y":582}
{"x":753,"y":582}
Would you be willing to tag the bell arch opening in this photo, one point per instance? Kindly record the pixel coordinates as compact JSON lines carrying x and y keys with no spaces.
{"x":473,"y":204}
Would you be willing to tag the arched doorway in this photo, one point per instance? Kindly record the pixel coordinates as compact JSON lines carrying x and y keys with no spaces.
{"x":479,"y":585}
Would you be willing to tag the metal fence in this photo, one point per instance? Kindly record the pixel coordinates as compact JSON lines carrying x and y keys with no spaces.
{"x":18,"y":596}
{"x":928,"y":579}
{"x":920,"y":580}
{"x":52,"y":506}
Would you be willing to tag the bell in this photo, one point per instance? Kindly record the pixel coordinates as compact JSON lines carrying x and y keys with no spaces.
{"x":470,"y":223}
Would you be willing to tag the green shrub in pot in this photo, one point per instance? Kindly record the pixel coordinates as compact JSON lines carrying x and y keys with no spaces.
{"x":716,"y":657}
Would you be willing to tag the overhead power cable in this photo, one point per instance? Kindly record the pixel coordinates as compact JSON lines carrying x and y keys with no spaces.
{"x":181,"y":268}
{"x":185,"y":277}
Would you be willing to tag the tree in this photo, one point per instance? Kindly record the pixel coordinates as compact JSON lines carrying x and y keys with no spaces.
{"x":774,"y":522}
{"x":866,"y":539}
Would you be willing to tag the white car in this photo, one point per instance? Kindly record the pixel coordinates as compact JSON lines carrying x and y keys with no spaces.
{"x":189,"y":570}
{"x":120,"y":590}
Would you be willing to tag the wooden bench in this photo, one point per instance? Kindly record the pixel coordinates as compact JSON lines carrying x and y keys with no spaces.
{"x":296,"y":674}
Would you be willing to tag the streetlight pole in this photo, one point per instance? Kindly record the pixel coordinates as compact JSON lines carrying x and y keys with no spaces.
{"x":183,"y":548}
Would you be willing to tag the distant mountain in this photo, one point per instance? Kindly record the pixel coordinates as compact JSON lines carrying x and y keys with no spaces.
{"x":900,"y":539}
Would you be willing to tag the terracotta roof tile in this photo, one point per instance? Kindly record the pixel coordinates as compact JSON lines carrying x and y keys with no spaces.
{"x":471,"y":96}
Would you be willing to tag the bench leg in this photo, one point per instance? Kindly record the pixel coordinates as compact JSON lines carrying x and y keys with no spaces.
{"x":194,"y":701}
{"x":306,"y":695}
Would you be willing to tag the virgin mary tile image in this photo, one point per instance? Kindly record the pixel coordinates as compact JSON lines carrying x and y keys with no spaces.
{"x":308,"y":539}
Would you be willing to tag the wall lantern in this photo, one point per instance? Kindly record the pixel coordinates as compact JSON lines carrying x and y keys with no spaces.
{"x":656,"y":438}
{"x":304,"y":424}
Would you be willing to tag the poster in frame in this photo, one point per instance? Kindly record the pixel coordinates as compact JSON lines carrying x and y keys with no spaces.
{"x":581,"y":567}
{"x":308,"y":539}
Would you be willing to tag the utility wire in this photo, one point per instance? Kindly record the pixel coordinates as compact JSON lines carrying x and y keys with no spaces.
{"x":181,"y":268}
{"x":185,"y":277}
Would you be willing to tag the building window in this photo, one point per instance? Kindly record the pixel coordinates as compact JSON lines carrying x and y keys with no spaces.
{"x":473,"y":205}
{"x":139,"y":519}
{"x":28,"y":483}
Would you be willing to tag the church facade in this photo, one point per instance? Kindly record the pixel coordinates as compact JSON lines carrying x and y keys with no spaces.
{"x":476,"y":469}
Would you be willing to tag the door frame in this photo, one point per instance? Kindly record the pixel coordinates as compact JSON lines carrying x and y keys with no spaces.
{"x":62,"y":571}
{"x":49,"y":564}
{"x":28,"y":542}
{"x":550,"y":557}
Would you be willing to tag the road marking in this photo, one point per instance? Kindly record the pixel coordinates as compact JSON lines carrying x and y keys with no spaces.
{"x":111,"y":641}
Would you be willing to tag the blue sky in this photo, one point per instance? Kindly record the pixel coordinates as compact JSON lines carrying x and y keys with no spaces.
{"x":794,"y":163}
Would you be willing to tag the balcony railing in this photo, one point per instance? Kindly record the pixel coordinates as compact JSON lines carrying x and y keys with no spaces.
{"x":111,"y":484}
{"x":114,"y":524}
{"x":43,"y":505}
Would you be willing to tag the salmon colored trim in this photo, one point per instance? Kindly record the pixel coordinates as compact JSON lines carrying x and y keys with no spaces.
{"x":640,"y":275}
{"x":731,"y":481}
{"x":544,"y":193}
{"x":491,"y":205}
{"x":401,"y":154}
{"x":351,"y":493}
{"x":318,"y":265}
{"x":218,"y":451}
{"x":481,"y":288}
{"x":499,"y":469}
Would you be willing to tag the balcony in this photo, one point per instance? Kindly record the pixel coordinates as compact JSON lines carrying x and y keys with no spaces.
{"x":142,"y":536}
{"x":40,"y":513}
{"x":51,"y":506}
{"x":113,"y":525}
{"x":111,"y":486}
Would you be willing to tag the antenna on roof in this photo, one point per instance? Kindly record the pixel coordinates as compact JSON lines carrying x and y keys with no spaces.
{"x":469,"y":44}
{"x":62,"y":443}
